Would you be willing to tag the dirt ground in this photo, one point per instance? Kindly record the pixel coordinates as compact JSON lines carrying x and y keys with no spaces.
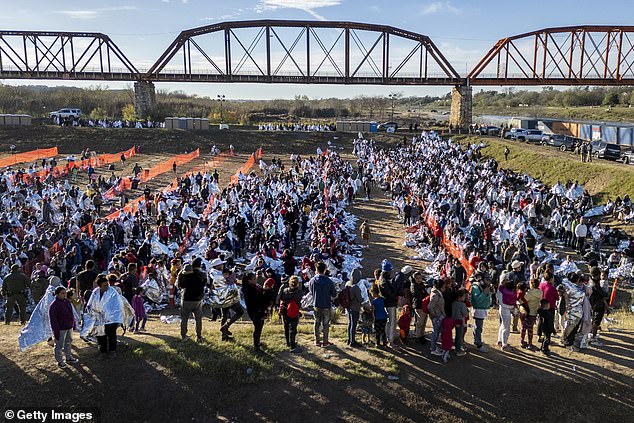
{"x":157,"y":378}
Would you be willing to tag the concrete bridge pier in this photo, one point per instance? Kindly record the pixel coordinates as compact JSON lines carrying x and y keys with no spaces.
{"x":461,"y":116}
{"x":144,"y":99}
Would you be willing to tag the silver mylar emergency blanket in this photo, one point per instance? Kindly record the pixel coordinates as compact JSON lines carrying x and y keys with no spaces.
{"x":38,"y":328}
{"x":224,"y":294}
{"x":112,"y":307}
{"x":152,"y":291}
{"x":574,"y":295}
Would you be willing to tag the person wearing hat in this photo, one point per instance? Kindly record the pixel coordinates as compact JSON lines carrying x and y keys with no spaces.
{"x":192,"y":286}
{"x":401,"y":285}
{"x":390,"y":298}
{"x":14,"y":287}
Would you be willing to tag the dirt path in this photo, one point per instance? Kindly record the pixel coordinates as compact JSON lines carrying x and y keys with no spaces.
{"x":386,"y":235}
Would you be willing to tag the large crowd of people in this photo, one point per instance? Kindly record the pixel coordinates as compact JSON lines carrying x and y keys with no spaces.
{"x":481,"y":225}
{"x":282,"y":243}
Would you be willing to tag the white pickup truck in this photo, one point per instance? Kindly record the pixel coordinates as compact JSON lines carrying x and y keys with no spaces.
{"x":66,"y":113}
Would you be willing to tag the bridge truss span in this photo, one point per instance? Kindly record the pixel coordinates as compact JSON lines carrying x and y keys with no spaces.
{"x":580,"y":55}
{"x":303,"y":52}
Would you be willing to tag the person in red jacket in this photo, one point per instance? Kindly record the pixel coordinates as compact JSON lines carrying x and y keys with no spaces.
{"x":62,"y":323}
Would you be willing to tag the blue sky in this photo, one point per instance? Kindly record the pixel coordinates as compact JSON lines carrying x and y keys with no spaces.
{"x":463,"y":30}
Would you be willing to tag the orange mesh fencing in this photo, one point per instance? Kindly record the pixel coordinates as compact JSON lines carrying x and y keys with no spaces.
{"x":28,"y":156}
{"x":163,"y":167}
{"x":449,"y":245}
{"x":147,"y":174}
{"x":246,"y":167}
{"x":61,"y":170}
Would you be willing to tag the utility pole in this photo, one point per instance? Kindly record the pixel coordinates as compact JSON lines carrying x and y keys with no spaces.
{"x":393,"y":97}
{"x":221,"y":99}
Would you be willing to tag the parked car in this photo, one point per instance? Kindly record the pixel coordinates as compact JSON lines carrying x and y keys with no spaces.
{"x":605,"y":150}
{"x":513,"y":133}
{"x":488,"y":130}
{"x":388,"y":125}
{"x":531,"y":135}
{"x":563,"y":142}
{"x":66,"y":113}
{"x":628,"y":156}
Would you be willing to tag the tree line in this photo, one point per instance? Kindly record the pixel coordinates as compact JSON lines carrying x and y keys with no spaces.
{"x":548,"y":96}
{"x":100,"y":102}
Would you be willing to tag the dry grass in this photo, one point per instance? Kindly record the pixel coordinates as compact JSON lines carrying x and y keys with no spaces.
{"x":602,"y":178}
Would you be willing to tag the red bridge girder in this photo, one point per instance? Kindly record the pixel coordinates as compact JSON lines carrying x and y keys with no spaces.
{"x":346,"y":56}
{"x":575,"y":55}
{"x":62,"y":55}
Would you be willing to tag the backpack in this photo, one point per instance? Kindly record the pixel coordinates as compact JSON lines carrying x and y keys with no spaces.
{"x":345,"y":298}
{"x":292,"y":309}
{"x":425,"y":304}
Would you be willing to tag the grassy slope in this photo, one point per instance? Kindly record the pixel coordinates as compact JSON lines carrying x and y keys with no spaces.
{"x":603,"y":179}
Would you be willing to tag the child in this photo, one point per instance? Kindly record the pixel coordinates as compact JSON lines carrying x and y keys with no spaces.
{"x":380,"y":317}
{"x":547,"y":324}
{"x":528,"y":312}
{"x":459,"y":314}
{"x":446,"y":338}
{"x":404,"y":323}
{"x":139,"y":310}
{"x":62,"y":323}
{"x":367,"y":320}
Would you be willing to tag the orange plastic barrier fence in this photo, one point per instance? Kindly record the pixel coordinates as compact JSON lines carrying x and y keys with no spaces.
{"x":28,"y":156}
{"x":147,"y":174}
{"x":452,"y":248}
{"x":61,"y":170}
{"x":246,"y":167}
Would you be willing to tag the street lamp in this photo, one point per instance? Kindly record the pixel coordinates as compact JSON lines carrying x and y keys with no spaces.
{"x":221,"y":99}
{"x":392,"y":97}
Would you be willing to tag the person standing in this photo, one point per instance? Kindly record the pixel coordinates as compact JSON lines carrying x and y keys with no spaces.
{"x":480,"y":302}
{"x":507,"y":297}
{"x":289,"y":299}
{"x":355,"y":306}
{"x":107,"y":307}
{"x":506,"y":153}
{"x":62,"y":323}
{"x":419,"y":297}
{"x":322,"y":290}
{"x":192,"y":286}
{"x":437,"y":313}
{"x":581,"y":231}
{"x":14,"y":287}
{"x":390,"y":298}
{"x":130,"y":281}
{"x":256,"y":298}
{"x":365,"y":231}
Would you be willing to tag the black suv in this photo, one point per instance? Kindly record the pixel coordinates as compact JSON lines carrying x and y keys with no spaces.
{"x":605,"y":150}
{"x":563,"y":142}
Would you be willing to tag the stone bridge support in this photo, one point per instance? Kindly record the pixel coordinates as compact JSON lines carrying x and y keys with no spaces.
{"x":144,"y":99}
{"x":461,"y":113}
